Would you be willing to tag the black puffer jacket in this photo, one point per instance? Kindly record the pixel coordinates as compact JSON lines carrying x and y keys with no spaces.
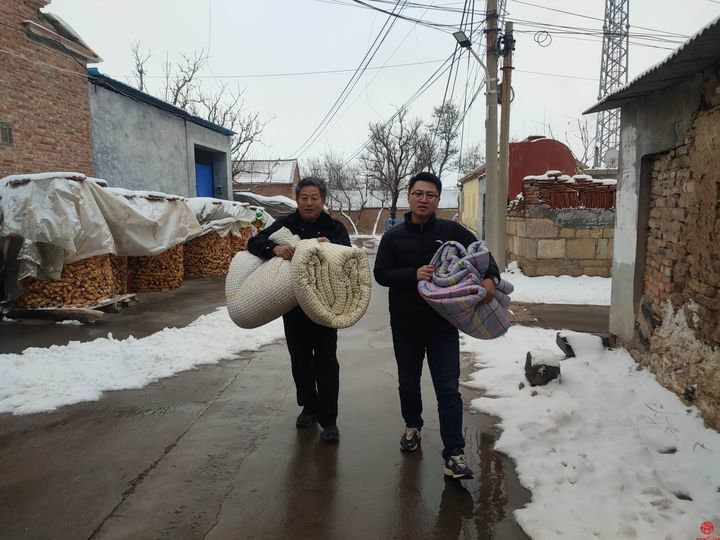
{"x":405,"y":248}
{"x":326,"y":226}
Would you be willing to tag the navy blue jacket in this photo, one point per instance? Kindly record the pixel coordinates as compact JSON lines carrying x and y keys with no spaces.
{"x":405,"y":248}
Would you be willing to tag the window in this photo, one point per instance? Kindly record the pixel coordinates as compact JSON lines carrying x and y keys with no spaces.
{"x":6,"y":135}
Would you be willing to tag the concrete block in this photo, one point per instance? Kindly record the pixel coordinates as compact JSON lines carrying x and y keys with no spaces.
{"x":596,"y":233}
{"x":551,"y":249}
{"x":511,"y":227}
{"x":581,"y":248}
{"x":601,"y":251}
{"x":527,"y":248}
{"x":608,"y":233}
{"x":541,"y":228}
{"x":520,"y":228}
{"x":582,"y":233}
{"x":551,"y":268}
{"x":567,"y":233}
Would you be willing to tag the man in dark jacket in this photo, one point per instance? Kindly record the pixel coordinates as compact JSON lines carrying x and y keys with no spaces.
{"x":313,"y":348}
{"x":402,"y":260}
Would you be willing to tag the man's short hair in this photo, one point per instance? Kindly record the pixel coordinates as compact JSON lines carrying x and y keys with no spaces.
{"x":426,"y":177}
{"x":312,"y":181}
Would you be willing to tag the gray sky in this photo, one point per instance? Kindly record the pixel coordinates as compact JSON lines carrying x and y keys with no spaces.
{"x":288,"y":36}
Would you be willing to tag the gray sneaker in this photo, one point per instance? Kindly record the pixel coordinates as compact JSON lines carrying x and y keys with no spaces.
{"x":330,"y":434}
{"x":410,"y":439}
{"x":457,"y":467}
{"x":305,"y":419}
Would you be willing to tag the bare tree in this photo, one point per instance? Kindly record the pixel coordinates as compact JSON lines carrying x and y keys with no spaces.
{"x":347,"y":190}
{"x":140,"y":59}
{"x":584,"y":139}
{"x":393,"y":155}
{"x":438,"y":144}
{"x":183,"y":88}
{"x":471,"y":159}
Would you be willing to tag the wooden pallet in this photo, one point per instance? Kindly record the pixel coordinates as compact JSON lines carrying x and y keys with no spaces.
{"x":86,"y":314}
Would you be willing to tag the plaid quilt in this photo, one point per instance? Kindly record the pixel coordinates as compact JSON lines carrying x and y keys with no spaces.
{"x":455,"y":291}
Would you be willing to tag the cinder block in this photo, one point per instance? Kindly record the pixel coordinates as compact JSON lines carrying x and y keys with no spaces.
{"x":596,"y":233}
{"x":601,"y":251}
{"x":567,"y":233}
{"x":582,"y":233}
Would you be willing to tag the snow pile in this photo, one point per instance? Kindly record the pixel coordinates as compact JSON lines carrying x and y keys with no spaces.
{"x":43,"y":379}
{"x":609,"y":453}
{"x":558,"y":290}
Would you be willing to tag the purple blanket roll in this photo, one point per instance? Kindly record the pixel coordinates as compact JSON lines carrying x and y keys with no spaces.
{"x":455,"y":291}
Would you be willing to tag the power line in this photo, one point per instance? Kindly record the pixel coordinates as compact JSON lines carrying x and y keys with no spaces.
{"x":350,"y":85}
{"x":302,"y":73}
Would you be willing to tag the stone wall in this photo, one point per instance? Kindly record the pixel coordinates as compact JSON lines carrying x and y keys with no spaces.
{"x":678,"y":320}
{"x":553,"y":242}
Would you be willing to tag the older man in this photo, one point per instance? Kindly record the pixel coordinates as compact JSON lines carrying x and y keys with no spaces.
{"x":403,"y":259}
{"x":312,"y":348}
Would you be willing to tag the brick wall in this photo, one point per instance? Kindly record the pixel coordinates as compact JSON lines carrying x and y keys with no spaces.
{"x":678,"y":322}
{"x":47,"y":109}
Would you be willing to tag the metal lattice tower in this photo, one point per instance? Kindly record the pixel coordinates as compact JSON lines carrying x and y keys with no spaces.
{"x":613,"y":75}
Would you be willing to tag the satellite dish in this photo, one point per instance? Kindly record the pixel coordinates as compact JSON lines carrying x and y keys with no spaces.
{"x":611,"y":159}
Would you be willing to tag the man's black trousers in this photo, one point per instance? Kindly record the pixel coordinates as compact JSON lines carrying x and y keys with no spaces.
{"x":315,"y":368}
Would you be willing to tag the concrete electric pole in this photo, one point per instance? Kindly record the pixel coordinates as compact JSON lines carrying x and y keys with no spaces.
{"x":508,"y":48}
{"x":491,"y":213}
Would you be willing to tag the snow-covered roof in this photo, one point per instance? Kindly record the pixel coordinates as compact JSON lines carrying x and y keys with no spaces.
{"x":281,"y":171}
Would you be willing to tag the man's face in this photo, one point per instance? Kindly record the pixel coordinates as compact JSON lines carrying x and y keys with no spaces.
{"x":310,"y":203}
{"x":423,"y":199}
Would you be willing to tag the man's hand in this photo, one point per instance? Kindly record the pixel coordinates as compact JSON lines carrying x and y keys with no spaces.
{"x":284,"y":251}
{"x":425,"y":272}
{"x":322,"y":239}
{"x":489,"y":286}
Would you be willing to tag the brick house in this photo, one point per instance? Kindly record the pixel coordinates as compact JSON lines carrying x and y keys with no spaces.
{"x":44,"y":108}
{"x":267,"y":177}
{"x":666,"y":269}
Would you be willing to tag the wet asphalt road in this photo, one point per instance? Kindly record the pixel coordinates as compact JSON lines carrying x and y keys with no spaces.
{"x":214,"y":452}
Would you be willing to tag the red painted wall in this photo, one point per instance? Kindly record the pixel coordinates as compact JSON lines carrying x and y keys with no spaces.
{"x":535,"y":157}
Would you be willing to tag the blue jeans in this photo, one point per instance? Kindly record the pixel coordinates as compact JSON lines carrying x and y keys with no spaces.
{"x":443,"y":354}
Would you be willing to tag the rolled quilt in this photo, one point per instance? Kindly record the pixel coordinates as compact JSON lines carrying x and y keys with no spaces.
{"x":257,"y":291}
{"x":455,"y":291}
{"x":331,"y":282}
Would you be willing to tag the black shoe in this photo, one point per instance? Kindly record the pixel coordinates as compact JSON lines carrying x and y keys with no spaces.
{"x":330,"y":434}
{"x":456,"y":467}
{"x":410,"y":439}
{"x":305,"y":418}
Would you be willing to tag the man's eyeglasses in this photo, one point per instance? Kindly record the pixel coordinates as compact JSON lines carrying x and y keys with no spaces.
{"x":429,"y":195}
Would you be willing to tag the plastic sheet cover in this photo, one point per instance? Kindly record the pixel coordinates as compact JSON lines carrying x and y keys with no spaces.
{"x":226,"y":217}
{"x":51,"y":219}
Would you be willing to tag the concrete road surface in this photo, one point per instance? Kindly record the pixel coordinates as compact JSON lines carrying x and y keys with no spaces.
{"x":214,"y":453}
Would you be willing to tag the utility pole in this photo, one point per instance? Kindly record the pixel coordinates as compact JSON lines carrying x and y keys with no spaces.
{"x":505,"y":97}
{"x":491,"y":213}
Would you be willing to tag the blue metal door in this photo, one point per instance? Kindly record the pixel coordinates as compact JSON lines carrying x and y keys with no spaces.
{"x":203,"y":180}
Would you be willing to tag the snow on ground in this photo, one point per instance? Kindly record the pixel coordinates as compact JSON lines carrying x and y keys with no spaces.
{"x":558,"y":290}
{"x":608,"y":453}
{"x":40,"y":380}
